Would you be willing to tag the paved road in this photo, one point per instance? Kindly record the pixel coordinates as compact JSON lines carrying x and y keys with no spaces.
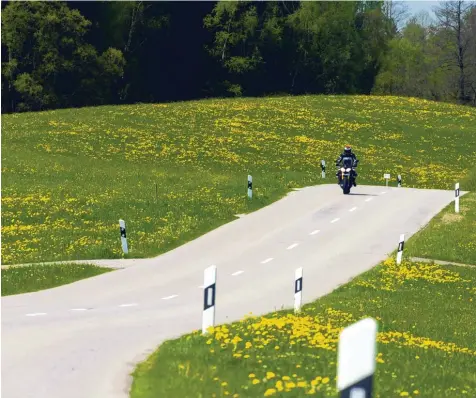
{"x":82,"y":340}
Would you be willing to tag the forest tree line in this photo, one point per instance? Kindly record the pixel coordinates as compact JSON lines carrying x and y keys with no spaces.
{"x":72,"y":54}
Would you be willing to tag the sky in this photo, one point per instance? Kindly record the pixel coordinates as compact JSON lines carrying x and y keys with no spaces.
{"x":415,"y":7}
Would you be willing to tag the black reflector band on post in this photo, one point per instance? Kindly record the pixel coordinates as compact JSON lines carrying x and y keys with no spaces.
{"x":361,"y":389}
{"x":209,"y":297}
{"x":298,"y":274}
{"x":298,"y":285}
{"x":400,"y":246}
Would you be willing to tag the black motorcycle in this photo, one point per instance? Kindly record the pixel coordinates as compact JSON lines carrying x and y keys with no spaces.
{"x":345,"y":175}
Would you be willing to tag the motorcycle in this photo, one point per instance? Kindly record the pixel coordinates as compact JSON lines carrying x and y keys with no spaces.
{"x":344,"y":175}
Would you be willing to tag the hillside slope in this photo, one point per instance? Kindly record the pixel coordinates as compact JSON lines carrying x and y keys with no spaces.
{"x":175,"y":171}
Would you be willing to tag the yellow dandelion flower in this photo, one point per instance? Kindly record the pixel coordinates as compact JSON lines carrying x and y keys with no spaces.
{"x":269,"y":392}
{"x":270,"y":375}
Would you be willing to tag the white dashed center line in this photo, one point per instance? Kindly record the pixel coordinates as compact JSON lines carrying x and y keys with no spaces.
{"x":128,"y":305}
{"x":267,"y":260}
{"x":36,"y":314}
{"x":237,"y":273}
{"x":78,"y":309}
{"x":368,"y":199}
{"x":170,"y":297}
{"x":315,"y":232}
{"x":383,"y":193}
{"x":293,"y":246}
{"x":334,"y":220}
{"x":353,"y":208}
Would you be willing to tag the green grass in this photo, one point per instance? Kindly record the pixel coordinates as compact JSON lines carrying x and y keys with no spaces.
{"x":68,"y":176}
{"x":31,"y":278}
{"x":450,"y":236}
{"x":426,"y":342}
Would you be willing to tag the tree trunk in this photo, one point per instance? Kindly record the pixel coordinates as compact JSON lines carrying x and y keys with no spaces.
{"x":10,"y":84}
{"x":460,"y":54}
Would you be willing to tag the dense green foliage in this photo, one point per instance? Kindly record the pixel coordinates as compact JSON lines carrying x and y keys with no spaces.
{"x":58,"y":54}
{"x":436,"y":62}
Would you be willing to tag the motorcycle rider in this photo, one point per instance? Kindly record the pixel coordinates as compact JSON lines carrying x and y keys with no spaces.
{"x":345,"y":158}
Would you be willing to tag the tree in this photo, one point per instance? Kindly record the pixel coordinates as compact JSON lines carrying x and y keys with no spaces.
{"x":451,"y":16}
{"x":470,"y":23}
{"x":237,"y":40}
{"x":49,"y":62}
{"x":396,"y":13}
{"x":429,"y":61}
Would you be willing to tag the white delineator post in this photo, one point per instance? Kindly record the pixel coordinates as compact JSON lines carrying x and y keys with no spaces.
{"x":250,"y":187}
{"x":209,"y":294}
{"x":298,"y":290}
{"x":401,"y":243}
{"x":457,"y":197}
{"x":323,"y":168}
{"x":356,"y":359}
{"x":387,"y":177}
{"x":399,"y":180}
{"x":122,"y":227}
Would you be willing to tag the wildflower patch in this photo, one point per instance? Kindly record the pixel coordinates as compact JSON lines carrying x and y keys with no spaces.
{"x":425,"y":341}
{"x":67,"y":177}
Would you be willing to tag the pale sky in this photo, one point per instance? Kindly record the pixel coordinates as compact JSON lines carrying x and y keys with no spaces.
{"x":416,"y":6}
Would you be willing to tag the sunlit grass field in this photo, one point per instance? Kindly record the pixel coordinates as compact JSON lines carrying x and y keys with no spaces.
{"x":31,"y":278}
{"x":450,"y":236}
{"x":175,"y":171}
{"x":426,"y":342}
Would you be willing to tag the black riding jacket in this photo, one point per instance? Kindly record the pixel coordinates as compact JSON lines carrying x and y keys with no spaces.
{"x":343,"y":158}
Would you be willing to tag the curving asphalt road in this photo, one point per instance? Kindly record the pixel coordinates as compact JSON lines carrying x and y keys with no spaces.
{"x":82,"y":340}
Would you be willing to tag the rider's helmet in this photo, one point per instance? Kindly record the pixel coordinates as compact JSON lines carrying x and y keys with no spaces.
{"x":347,"y":150}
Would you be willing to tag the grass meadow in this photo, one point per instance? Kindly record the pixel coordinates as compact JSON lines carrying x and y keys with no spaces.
{"x":31,"y":278}
{"x":450,"y":236}
{"x":175,"y":171}
{"x":426,"y":342}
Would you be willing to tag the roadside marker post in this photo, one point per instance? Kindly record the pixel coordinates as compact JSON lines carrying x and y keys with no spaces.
{"x":457,"y":197}
{"x":323,"y":168}
{"x":356,"y":359}
{"x":399,"y":180}
{"x":122,"y":227}
{"x":209,"y":295}
{"x":401,"y":243}
{"x":298,"y":290}
{"x":387,"y":177}
{"x":250,"y":187}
